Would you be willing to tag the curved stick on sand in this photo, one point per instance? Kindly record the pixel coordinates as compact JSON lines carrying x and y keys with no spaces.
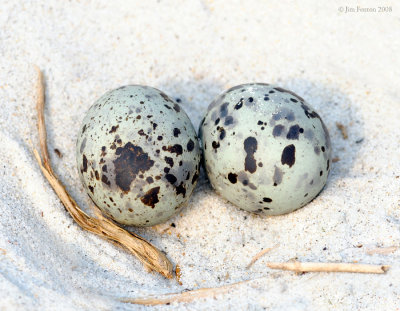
{"x":327,"y":267}
{"x":183,"y":296}
{"x":149,"y":255}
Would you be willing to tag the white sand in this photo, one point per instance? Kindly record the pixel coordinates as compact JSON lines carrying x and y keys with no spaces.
{"x":345,"y":65}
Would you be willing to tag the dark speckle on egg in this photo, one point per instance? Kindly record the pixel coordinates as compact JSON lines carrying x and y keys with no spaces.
{"x":250,"y":146}
{"x":150,"y":198}
{"x":232,"y":178}
{"x":129,"y":162}
{"x":289,"y":155}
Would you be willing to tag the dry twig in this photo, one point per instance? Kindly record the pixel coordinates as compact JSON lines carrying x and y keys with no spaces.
{"x":258,"y":256}
{"x":149,"y":255}
{"x":382,"y":250}
{"x":184,"y":296}
{"x":327,"y":267}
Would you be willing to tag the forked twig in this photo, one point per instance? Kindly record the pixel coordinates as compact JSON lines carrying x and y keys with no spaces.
{"x":327,"y":267}
{"x":258,"y":256}
{"x":150,"y":256}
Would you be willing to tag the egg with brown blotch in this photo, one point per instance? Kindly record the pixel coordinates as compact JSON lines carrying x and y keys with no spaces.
{"x":138,"y":155}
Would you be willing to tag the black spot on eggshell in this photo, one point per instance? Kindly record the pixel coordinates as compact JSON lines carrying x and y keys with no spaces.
{"x":177,"y":108}
{"x":180,"y":190}
{"x":176,"y":132}
{"x":239,"y":104}
{"x":142,"y":133}
{"x":169,"y":161}
{"x":222,"y":134}
{"x":132,"y":160}
{"x":309,"y":114}
{"x":113,"y":129}
{"x":250,"y":146}
{"x":232,"y":178}
{"x":190,"y":145}
{"x":105,"y":180}
{"x":267,"y":200}
{"x":195,"y":177}
{"x":177,"y":149}
{"x":150,"y":198}
{"x":171,"y":178}
{"x":293,"y":132}
{"x":215,"y":145}
{"x":166,"y":98}
{"x":288,"y":155}
{"x":84,"y":163}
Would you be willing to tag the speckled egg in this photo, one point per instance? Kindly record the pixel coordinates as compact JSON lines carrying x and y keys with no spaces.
{"x":138,"y":155}
{"x":265,"y":150}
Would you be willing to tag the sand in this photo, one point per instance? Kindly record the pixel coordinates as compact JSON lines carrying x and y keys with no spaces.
{"x":345,"y":65}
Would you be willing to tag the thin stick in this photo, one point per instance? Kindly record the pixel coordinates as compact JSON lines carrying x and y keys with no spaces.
{"x":183,"y":296}
{"x":258,"y":256}
{"x":327,"y":267}
{"x":382,"y":250}
{"x":149,"y":255}
{"x":41,"y":122}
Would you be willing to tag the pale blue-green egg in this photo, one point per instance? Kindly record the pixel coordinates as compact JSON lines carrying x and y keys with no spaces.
{"x":138,"y":155}
{"x":265,"y":149}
